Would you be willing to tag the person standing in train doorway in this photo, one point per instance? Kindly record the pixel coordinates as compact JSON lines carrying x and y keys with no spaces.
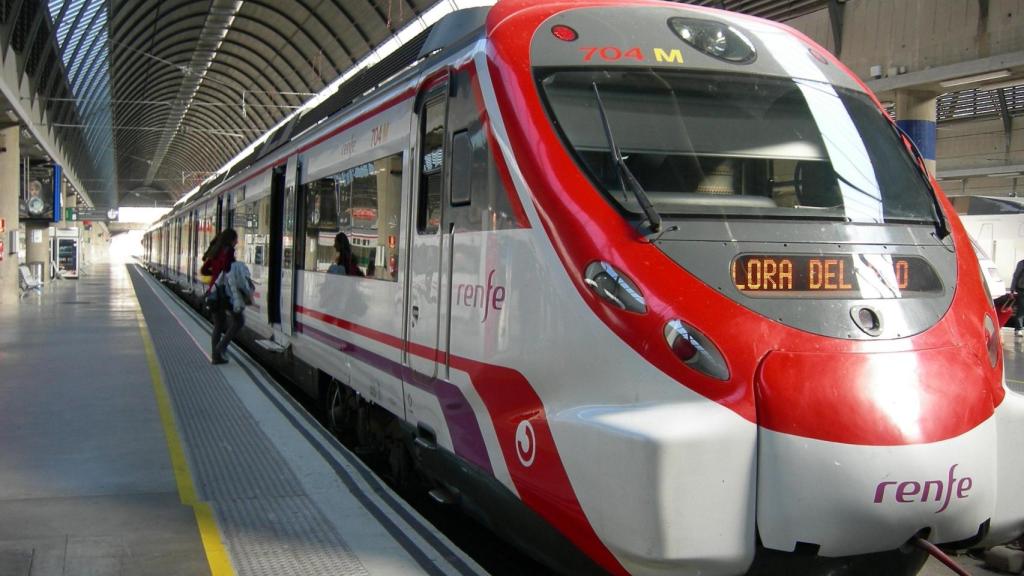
{"x":217,"y":260}
{"x":1017,"y":287}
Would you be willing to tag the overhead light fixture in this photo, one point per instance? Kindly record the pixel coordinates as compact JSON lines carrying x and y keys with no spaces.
{"x":1000,"y":85}
{"x":974,"y":79}
{"x":1003,"y":174}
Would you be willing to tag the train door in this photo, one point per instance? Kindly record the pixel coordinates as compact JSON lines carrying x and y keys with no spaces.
{"x":425,"y":262}
{"x":276,"y":212}
{"x":178,"y":226}
{"x":194,"y":248}
{"x":229,"y":218}
{"x":288,"y":235}
{"x":220,"y":214}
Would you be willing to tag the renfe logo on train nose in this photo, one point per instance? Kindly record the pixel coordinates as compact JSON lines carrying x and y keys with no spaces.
{"x":929,"y":490}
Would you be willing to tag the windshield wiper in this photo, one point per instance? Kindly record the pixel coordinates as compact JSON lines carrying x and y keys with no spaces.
{"x":625,"y":175}
{"x":941,"y":226}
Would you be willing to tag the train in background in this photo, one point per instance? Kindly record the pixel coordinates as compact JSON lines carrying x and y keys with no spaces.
{"x":645,"y":287}
{"x":994,"y":283}
{"x":997,"y":225}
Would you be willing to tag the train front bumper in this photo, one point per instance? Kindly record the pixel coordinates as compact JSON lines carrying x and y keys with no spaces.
{"x":916,"y":447}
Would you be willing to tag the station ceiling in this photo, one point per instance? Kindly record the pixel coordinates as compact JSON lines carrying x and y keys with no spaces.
{"x":149,"y":97}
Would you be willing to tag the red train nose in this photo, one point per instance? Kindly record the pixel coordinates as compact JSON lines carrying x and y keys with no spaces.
{"x":878,"y":446}
{"x":887,"y":399}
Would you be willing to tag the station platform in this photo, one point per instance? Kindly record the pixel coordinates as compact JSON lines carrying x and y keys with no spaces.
{"x":124,"y":451}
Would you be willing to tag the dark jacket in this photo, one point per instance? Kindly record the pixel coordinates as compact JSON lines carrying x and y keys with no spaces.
{"x":1017,"y":285}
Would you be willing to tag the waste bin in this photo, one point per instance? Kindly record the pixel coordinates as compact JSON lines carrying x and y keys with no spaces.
{"x":37,"y":270}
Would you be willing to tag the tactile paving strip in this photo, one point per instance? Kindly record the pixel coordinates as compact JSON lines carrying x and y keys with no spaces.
{"x":269,"y":524}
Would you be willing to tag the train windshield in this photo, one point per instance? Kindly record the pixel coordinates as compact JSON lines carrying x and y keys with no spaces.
{"x":738,"y":145}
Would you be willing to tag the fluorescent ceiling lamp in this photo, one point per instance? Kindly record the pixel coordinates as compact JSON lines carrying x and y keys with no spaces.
{"x":1002,"y":174}
{"x":1013,"y":83}
{"x":976,"y":78}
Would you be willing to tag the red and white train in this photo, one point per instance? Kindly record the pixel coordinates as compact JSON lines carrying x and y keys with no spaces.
{"x":649,"y":288}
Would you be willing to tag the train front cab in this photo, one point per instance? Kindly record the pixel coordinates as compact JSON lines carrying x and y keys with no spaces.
{"x":809,"y":289}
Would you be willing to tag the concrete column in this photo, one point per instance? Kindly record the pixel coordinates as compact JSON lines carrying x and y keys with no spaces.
{"x":915,"y":114}
{"x":9,"y":196}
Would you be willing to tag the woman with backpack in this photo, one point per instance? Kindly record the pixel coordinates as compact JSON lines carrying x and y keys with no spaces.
{"x":217,"y":260}
{"x":238,"y":288}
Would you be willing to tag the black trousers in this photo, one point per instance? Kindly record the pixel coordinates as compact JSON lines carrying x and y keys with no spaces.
{"x":226,"y":325}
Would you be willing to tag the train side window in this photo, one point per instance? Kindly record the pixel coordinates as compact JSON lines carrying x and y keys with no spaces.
{"x":364,"y":203}
{"x":248,"y":235}
{"x":320,"y":220}
{"x":428,"y":213}
{"x":374,"y":231}
{"x":462,"y":169}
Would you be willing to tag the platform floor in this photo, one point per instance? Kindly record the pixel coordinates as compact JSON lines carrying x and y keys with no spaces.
{"x":126,"y":452}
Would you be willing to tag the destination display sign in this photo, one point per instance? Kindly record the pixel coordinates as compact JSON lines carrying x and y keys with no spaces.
{"x":834,"y":276}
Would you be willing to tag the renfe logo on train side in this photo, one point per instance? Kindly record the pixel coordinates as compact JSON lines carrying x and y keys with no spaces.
{"x":934,"y":490}
{"x":478,"y":296}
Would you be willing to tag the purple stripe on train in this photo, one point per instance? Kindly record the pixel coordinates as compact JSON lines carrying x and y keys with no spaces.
{"x":459,"y":417}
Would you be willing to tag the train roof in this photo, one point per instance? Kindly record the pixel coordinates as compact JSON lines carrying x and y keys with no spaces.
{"x":451,"y":31}
{"x":966,"y":205}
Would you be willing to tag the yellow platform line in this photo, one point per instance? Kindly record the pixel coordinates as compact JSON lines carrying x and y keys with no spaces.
{"x":216,"y":553}
{"x":1015,"y":381}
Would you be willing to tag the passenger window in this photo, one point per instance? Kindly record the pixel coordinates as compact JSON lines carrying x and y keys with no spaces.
{"x":261,"y":234}
{"x":365,"y":205}
{"x":376,"y":209}
{"x":320,"y":219}
{"x":428,"y":215}
{"x":246,"y":221}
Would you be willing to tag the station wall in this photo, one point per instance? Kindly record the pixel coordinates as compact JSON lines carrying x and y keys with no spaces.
{"x":919,"y":34}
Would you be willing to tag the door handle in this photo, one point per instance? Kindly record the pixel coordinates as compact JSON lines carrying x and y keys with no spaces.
{"x":415,"y":314}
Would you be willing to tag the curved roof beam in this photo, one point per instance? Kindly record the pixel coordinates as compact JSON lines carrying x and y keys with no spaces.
{"x":218,"y":22}
{"x":249,"y":80}
{"x":308,"y":38}
{"x":339,"y":6}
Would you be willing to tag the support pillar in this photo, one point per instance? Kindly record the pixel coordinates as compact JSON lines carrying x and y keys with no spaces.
{"x":915,"y":114}
{"x":9,"y":196}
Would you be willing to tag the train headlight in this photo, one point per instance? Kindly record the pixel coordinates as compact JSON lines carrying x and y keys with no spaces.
{"x":564,"y":33}
{"x":615,"y":287}
{"x":992,"y":341}
{"x":714,"y":39}
{"x":695,"y":349}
